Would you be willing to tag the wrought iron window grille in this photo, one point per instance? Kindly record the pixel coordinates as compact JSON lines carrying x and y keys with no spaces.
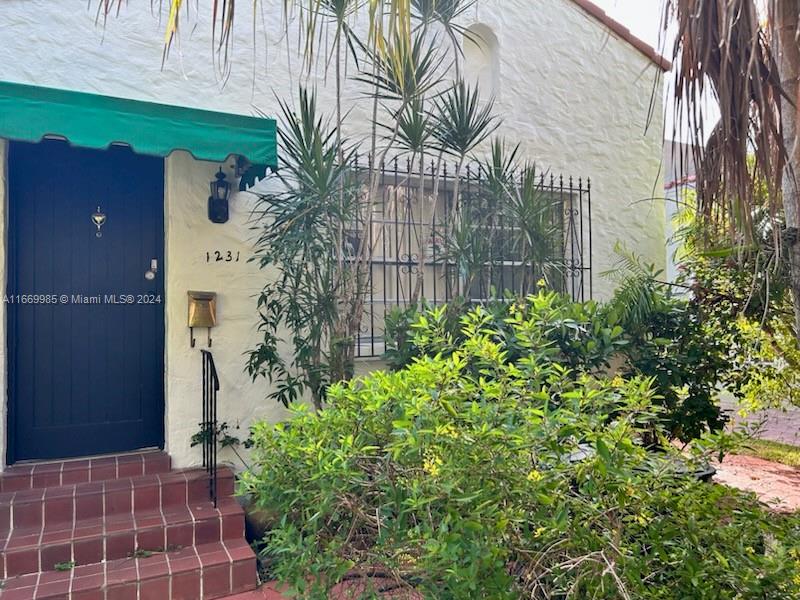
{"x":413,"y":241}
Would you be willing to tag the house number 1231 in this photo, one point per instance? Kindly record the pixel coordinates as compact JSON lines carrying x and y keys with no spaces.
{"x":215,"y":256}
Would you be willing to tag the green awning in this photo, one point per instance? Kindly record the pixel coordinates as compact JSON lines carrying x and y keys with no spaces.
{"x":29,"y":113}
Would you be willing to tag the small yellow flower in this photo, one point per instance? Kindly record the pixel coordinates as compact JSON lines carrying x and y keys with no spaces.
{"x":539,"y":531}
{"x":432,"y":465}
{"x":618,"y":381}
{"x":535,"y":476}
{"x":541,"y":283}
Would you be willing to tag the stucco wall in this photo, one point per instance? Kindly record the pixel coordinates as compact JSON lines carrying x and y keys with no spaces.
{"x":571,"y":93}
{"x":189,"y":236}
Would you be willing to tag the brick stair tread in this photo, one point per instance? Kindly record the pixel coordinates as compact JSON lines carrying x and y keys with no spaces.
{"x":38,"y":494}
{"x":65,"y":503}
{"x":95,"y":539}
{"x":64,"y":472}
{"x":222,"y":568}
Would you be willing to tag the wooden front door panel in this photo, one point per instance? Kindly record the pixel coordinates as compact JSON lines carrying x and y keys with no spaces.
{"x":86,"y":328}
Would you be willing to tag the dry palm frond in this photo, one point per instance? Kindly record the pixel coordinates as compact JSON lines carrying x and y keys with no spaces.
{"x":722,"y":51}
{"x":388,"y":19}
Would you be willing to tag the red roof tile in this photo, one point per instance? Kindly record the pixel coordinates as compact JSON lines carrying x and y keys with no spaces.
{"x":624,"y":33}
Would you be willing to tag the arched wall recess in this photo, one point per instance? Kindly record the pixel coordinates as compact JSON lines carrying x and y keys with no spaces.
{"x":482,"y":59}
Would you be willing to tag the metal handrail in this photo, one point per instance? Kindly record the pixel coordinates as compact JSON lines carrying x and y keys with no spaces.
{"x":210,"y":389}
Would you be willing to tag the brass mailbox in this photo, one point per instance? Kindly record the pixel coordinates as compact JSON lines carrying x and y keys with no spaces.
{"x":202,"y":312}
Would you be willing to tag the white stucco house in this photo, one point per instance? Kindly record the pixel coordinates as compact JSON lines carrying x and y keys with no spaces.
{"x":84,"y":376}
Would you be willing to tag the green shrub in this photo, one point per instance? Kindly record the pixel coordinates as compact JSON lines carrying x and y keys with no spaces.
{"x":671,"y":345}
{"x":658,"y":335}
{"x":744,"y":295}
{"x":580,"y":336}
{"x":687,"y":356}
{"x":469,"y":475}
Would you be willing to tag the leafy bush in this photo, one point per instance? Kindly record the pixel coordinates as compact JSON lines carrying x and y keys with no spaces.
{"x":667,"y":340}
{"x":744,"y":295}
{"x":706,"y":339}
{"x":470,"y":475}
{"x":686,"y":362}
{"x":577,"y":335}
{"x":671,"y":340}
{"x":753,"y":313}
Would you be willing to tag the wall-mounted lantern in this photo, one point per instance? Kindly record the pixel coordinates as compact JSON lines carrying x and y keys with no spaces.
{"x":218,"y":200}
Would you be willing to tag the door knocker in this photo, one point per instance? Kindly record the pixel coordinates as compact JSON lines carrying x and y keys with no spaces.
{"x":99,"y":219}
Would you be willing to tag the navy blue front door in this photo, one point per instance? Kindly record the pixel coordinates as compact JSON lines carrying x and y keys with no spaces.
{"x":85,"y":324}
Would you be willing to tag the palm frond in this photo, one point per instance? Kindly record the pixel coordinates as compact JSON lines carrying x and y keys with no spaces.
{"x":388,"y":20}
{"x":722,"y":52}
{"x":638,"y":293}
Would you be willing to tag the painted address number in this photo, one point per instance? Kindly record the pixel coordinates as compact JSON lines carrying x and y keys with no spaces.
{"x":215,"y":256}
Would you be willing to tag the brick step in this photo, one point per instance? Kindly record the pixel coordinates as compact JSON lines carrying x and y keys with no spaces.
{"x":66,"y":472}
{"x":203,"y":572}
{"x":43,"y":508}
{"x":93,"y":540}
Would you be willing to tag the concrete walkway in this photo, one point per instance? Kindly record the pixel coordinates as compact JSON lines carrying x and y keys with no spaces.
{"x":775,"y":424}
{"x":775,"y":484}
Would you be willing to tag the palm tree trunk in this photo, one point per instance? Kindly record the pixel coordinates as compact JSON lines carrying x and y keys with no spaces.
{"x":786,"y":25}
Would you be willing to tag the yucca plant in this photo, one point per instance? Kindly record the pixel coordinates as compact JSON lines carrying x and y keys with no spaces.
{"x":463,"y":123}
{"x":447,"y":14}
{"x":300,"y":236}
{"x":405,"y":75}
{"x":500,"y":169}
{"x":315,"y":230}
{"x":469,"y":247}
{"x":537,"y":228}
